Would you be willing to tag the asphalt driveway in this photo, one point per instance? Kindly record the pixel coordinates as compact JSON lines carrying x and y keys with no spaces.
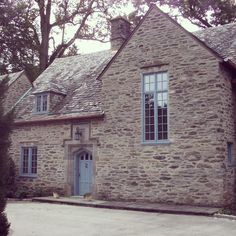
{"x":42,"y":219}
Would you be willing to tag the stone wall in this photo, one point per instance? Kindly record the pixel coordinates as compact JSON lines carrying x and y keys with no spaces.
{"x":57,"y":148}
{"x":16,"y":90}
{"x":55,"y":100}
{"x":190,"y":169}
{"x":227,"y":114}
{"x":49,"y":139}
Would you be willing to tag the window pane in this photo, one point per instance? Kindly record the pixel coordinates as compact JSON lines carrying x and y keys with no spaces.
{"x":164,"y":96}
{"x":149,"y":117}
{"x":159,"y":86}
{"x":164,"y":86}
{"x":45,"y":102}
{"x":164,"y":77}
{"x":155,"y":107}
{"x":152,"y":83}
{"x":159,"y":77}
{"x":146,"y":87}
{"x":34,"y":161}
{"x":38,"y":105}
{"x":25,"y":161}
{"x":164,"y":119}
{"x":152,"y":87}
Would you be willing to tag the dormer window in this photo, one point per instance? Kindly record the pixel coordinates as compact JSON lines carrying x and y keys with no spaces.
{"x":41,"y":103}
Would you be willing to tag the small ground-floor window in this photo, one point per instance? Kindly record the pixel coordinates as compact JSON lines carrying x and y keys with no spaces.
{"x":28,"y":161}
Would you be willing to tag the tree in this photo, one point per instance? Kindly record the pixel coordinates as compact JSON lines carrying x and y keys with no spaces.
{"x":203,"y":13}
{"x":52,"y":26}
{"x":18,"y":47}
{"x":6,"y":121}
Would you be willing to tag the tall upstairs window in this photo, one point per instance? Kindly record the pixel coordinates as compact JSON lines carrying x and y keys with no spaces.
{"x":41,"y":103}
{"x":155,"y":107}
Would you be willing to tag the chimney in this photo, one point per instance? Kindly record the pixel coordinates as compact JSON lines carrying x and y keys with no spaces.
{"x":120,"y":30}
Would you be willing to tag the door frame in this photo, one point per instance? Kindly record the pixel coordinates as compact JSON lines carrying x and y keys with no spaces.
{"x":76,"y":167}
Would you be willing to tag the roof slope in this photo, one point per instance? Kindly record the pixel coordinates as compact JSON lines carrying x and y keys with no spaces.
{"x":76,"y":78}
{"x":12,"y":77}
{"x":222,"y":39}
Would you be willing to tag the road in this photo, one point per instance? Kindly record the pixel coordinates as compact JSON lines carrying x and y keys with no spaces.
{"x":42,"y":219}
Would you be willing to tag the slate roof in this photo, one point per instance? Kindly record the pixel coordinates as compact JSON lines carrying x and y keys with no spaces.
{"x":76,"y":78}
{"x":12,"y":77}
{"x":222,"y":39}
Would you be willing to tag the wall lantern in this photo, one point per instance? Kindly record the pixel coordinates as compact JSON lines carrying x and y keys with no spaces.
{"x":78,"y":134}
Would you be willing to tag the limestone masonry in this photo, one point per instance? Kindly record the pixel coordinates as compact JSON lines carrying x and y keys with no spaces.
{"x":83,"y":125}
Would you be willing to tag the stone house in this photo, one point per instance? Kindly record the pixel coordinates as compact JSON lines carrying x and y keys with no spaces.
{"x":152,"y":119}
{"x":18,"y":85}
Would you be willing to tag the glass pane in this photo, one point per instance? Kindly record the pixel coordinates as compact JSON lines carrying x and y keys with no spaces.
{"x":159,"y":86}
{"x":146,"y":88}
{"x":45,"y":102}
{"x":38,"y":103}
{"x":25,"y":161}
{"x":160,"y":103}
{"x":156,"y":83}
{"x":149,"y":117}
{"x":164,"y":119}
{"x":165,"y":135}
{"x":164,"y":86}
{"x":146,"y":79}
{"x":152,"y":87}
{"x":152,"y":136}
{"x":164,"y":96}
{"x":164,"y":112}
{"x":159,"y":77}
{"x":152,"y":78}
{"x":147,"y":136}
{"x":164,"y":76}
{"x":34,"y":161}
{"x":160,"y":136}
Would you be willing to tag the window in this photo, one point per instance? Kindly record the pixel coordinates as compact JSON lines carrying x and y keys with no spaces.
{"x":155,"y":107}
{"x":41,"y":103}
{"x":28,"y":161}
{"x":230,"y":153}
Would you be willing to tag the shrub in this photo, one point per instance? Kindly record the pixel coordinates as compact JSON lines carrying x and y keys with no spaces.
{"x":10,"y":182}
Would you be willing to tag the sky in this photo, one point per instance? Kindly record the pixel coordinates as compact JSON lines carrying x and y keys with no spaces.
{"x":94,"y":46}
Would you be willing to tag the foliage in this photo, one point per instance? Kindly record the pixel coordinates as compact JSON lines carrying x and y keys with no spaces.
{"x":6,"y":121}
{"x":4,"y":225}
{"x":10,"y":182}
{"x":18,"y":45}
{"x":46,"y":29}
{"x":203,"y":13}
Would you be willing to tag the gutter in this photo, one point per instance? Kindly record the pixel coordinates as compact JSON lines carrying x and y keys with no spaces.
{"x":55,"y":119}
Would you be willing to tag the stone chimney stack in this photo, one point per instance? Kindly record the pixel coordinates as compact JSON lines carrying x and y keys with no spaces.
{"x":120,"y":31}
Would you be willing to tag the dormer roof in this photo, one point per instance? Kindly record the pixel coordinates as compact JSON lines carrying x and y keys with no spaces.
{"x":76,"y":78}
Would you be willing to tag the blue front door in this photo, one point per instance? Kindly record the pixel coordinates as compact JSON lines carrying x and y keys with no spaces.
{"x":84,"y":173}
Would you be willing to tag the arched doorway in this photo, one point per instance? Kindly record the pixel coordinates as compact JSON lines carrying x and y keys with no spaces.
{"x":83,"y":173}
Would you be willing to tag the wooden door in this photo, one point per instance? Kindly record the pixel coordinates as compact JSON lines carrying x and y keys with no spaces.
{"x":84,"y":173}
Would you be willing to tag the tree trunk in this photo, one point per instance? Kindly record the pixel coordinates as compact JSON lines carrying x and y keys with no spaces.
{"x":45,"y":13}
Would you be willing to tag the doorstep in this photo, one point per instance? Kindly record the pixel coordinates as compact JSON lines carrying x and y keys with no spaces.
{"x":133,"y":206}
